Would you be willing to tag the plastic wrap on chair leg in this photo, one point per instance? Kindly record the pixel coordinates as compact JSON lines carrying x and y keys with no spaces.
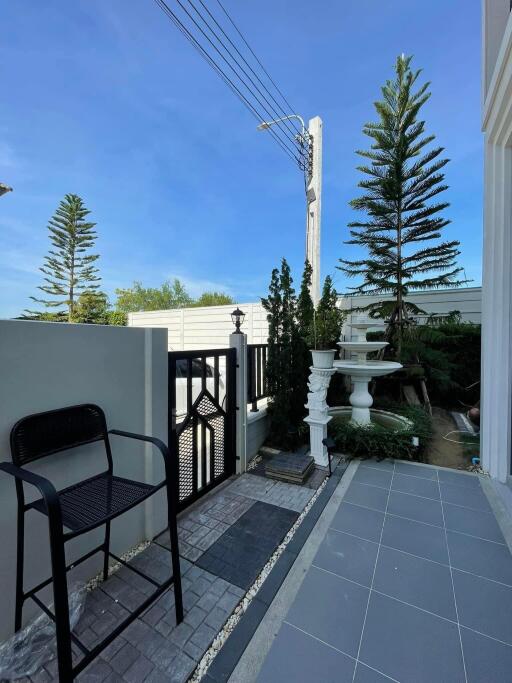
{"x":28,"y":650}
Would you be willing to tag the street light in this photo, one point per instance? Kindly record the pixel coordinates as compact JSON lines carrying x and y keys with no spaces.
{"x":301,"y":137}
{"x":4,"y":189}
{"x":238,"y":318}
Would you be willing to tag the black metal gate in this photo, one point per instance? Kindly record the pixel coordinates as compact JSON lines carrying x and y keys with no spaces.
{"x":202,"y":425}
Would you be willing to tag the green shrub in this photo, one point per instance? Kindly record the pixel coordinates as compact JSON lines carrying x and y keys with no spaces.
{"x":376,"y":441}
{"x":449,"y":353}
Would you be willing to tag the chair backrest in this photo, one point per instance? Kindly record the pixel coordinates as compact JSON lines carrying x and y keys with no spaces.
{"x":36,"y":436}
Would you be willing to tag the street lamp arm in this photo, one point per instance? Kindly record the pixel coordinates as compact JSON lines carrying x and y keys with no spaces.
{"x":265,"y":125}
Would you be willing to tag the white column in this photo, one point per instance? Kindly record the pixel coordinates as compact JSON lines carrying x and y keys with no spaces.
{"x":314,"y":207}
{"x":496,"y":438}
{"x":318,"y":417}
{"x":239,"y":342}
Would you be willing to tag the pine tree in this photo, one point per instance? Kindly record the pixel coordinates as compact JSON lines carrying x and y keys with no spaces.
{"x":305,"y":306}
{"x":328,"y":317}
{"x":284,"y":358}
{"x":404,"y":176}
{"x":69,"y":267}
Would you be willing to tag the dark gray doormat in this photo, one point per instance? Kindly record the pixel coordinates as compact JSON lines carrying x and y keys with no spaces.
{"x":243,"y":550}
{"x":228,"y":657}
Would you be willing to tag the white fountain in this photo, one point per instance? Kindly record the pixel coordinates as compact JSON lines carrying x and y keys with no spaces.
{"x":361,"y":371}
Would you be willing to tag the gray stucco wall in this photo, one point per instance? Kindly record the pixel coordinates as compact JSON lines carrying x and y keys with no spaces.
{"x":51,"y":365}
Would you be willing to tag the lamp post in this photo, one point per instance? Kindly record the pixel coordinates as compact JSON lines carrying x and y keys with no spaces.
{"x":311,"y":140}
{"x":238,"y":318}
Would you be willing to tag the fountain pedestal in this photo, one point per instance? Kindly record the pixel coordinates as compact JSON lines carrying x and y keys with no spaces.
{"x":318,"y":417}
{"x":361,"y":371}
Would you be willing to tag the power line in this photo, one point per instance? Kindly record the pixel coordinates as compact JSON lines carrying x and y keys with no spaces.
{"x":290,"y":108}
{"x":228,"y":63}
{"x":219,"y":71}
{"x":295,"y":129}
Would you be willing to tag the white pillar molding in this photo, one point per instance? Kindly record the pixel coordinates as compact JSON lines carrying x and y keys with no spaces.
{"x":239,"y":342}
{"x":496,"y":395}
{"x":318,"y":417}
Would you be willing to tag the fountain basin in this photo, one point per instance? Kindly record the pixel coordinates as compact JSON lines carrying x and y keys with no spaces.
{"x":383,"y":418}
{"x":362,"y":347}
{"x":371,"y":368}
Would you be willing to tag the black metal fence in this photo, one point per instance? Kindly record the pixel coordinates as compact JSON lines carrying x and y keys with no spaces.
{"x":202,"y":405}
{"x":256,"y":374}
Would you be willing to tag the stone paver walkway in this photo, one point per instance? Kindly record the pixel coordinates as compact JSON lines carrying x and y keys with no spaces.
{"x":241,"y":523}
{"x":412,"y":583}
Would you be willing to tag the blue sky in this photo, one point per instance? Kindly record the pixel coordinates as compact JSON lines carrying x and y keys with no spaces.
{"x":108,"y":100}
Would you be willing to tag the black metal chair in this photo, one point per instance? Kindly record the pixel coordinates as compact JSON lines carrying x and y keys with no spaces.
{"x":81,"y":508}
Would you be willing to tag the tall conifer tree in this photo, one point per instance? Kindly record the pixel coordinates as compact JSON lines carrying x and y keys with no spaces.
{"x":404,"y":176}
{"x":69,"y":267}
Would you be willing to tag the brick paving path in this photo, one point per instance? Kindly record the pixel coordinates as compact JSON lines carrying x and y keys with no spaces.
{"x":153,"y":648}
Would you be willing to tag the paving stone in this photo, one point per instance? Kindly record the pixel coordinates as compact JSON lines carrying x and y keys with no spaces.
{"x":277,"y":493}
{"x":181,"y":634}
{"x":194,"y":651}
{"x":139,"y":670}
{"x":195,"y":617}
{"x":181,"y":669}
{"x":217,"y":618}
{"x":203,"y":636}
{"x":124,"y":658}
{"x":96,"y":672}
{"x":164,"y":656}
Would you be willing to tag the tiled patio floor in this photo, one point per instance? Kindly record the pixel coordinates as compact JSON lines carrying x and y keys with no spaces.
{"x":411,"y":583}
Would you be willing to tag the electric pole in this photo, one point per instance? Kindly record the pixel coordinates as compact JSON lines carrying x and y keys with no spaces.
{"x":314,"y":204}
{"x":310,"y":142}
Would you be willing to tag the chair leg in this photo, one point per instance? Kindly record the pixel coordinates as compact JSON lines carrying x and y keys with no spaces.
{"x":20,"y":554}
{"x":61,"y":605}
{"x":176,"y":571}
{"x":106,"y":551}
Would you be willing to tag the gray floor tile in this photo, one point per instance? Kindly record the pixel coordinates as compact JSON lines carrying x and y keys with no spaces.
{"x":413,"y":507}
{"x":415,"y":485}
{"x":317,"y":610}
{"x":368,"y":475}
{"x":419,"y":582}
{"x":447,"y":476}
{"x":483,"y":524}
{"x":387,"y":465}
{"x":410,"y":645}
{"x":415,"y":538}
{"x":368,"y":496}
{"x":484,"y":605}
{"x":366,"y":675}
{"x":491,"y":560}
{"x":415,"y":470}
{"x":359,"y":521}
{"x":487,"y":661}
{"x":347,"y":556}
{"x":295,"y":656}
{"x":473,"y":498}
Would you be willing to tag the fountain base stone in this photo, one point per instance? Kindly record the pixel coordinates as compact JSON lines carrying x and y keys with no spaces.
{"x":383,"y":418}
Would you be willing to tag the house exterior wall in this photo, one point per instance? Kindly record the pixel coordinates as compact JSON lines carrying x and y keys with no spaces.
{"x":210,"y":327}
{"x":497,"y":258}
{"x":51,"y":365}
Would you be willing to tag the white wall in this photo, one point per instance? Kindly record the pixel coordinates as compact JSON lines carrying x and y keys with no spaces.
{"x":51,"y":365}
{"x":206,"y":327}
{"x":495,"y":14}
{"x":210,"y":327}
{"x":497,"y":262}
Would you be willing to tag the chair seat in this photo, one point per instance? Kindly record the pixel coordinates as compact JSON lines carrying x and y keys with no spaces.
{"x":94,"y":501}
